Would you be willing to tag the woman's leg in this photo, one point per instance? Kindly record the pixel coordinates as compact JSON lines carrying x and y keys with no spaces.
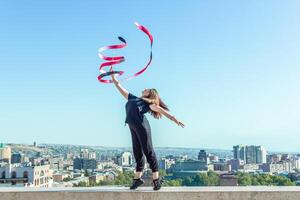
{"x":144,"y":134}
{"x":138,"y":153}
{"x":155,"y":175}
{"x":138,"y":175}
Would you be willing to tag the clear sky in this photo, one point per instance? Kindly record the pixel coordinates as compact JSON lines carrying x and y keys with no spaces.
{"x":228,"y":69}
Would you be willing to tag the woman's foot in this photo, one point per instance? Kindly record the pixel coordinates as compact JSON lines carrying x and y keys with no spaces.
{"x":136,"y":183}
{"x":157,"y":183}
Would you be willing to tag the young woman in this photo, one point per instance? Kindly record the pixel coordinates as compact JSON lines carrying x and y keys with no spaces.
{"x":140,"y":129}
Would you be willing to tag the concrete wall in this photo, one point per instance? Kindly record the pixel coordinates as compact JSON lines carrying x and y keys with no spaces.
{"x":165,"y":193}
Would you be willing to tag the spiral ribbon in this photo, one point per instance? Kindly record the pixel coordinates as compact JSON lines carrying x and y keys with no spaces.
{"x":119,"y":59}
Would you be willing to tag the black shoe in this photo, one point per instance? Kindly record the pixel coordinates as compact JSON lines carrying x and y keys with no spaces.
{"x":136,"y":183}
{"x":157,"y":183}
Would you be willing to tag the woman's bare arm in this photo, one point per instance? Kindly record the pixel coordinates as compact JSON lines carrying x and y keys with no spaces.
{"x":121,"y":89}
{"x":159,"y":109}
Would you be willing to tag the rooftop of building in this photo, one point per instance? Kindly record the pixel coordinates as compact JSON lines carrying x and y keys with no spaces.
{"x":147,"y":193}
{"x":163,"y":189}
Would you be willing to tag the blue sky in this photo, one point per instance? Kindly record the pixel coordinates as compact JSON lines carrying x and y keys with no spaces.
{"x":228,"y":70}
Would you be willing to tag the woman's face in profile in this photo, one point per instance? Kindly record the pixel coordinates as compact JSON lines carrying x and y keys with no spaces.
{"x":145,"y":92}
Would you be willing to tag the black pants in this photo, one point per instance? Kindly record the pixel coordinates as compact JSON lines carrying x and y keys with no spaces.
{"x":142,"y":145}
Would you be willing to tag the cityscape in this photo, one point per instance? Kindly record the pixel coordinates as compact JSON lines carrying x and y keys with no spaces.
{"x":150,"y":100}
{"x":58,"y":165}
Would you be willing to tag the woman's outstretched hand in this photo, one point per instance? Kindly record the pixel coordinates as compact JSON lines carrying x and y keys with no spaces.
{"x":179,"y":123}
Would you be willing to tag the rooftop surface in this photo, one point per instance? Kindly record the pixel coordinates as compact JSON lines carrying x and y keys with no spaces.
{"x":147,"y":193}
{"x":163,"y":189}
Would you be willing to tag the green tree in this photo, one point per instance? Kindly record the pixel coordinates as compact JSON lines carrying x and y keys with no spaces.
{"x":67,"y":179}
{"x":263,"y":179}
{"x":175,"y":182}
{"x":87,"y":173}
{"x":162,"y":172}
{"x":213,"y":178}
{"x":123,"y":178}
{"x":244,"y":179}
{"x":283,"y":181}
{"x":82,"y":184}
{"x":201,"y":179}
{"x":187,"y":181}
{"x":105,"y":182}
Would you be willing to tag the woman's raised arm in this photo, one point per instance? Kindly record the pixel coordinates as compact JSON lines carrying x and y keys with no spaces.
{"x":121,"y":89}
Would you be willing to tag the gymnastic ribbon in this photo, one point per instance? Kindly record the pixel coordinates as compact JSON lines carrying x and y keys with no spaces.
{"x":110,"y":61}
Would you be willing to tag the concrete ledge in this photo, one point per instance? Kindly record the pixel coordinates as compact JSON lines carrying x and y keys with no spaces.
{"x":165,"y":193}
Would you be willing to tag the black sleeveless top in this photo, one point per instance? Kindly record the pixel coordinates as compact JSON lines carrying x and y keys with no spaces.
{"x":136,"y":107}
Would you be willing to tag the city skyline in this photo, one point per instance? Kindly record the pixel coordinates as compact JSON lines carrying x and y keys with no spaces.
{"x":229,"y":71}
{"x":269,"y":151}
{"x":71,"y":166}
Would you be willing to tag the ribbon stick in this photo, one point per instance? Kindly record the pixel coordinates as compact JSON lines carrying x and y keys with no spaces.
{"x":118,"y":59}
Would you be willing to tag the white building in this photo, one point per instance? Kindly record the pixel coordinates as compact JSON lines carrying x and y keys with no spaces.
{"x":250,"y":154}
{"x":92,"y":155}
{"x":165,"y":163}
{"x":5,"y":153}
{"x":102,"y":164}
{"x":84,"y":153}
{"x":25,"y":175}
{"x":272,"y":167}
{"x":125,"y":159}
{"x":296,"y":164}
{"x":261,"y":154}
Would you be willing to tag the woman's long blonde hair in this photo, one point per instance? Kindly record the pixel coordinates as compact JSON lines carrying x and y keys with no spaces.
{"x":154,"y":98}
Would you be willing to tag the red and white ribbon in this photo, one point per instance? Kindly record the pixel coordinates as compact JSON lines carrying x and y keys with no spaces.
{"x":119,"y":59}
